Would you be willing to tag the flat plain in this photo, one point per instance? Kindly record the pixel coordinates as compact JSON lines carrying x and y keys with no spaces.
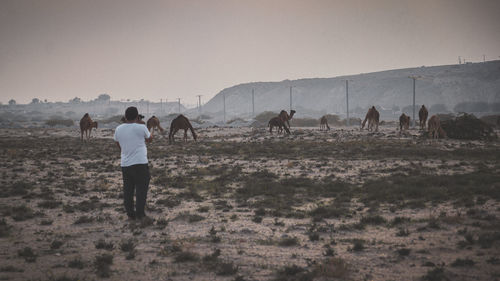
{"x":241,"y":204}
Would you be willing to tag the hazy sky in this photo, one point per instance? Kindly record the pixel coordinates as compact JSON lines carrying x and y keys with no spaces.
{"x":60,"y":49}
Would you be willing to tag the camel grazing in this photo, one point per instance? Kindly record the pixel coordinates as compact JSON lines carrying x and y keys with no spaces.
{"x":285,"y":117}
{"x":434,"y":128}
{"x":372,"y":116}
{"x":277,"y":122}
{"x":323,"y":124}
{"x":180,"y":122}
{"x":404,"y":122}
{"x":154,"y":123}
{"x":86,"y":125}
{"x":422,"y":116}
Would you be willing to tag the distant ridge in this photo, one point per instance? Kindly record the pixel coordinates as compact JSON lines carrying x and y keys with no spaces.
{"x":312,"y":97}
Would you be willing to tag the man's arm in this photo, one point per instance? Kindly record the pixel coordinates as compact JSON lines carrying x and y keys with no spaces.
{"x":150,"y":139}
{"x":119,"y":147}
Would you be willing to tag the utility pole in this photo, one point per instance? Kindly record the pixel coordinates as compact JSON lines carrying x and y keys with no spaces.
{"x":347,"y":100}
{"x":179,"y":99}
{"x":224,"y":101}
{"x":414,"y":78}
{"x":484,"y":58}
{"x":459,"y":60}
{"x":199,"y":104}
{"x":253,"y":103}
{"x":290,"y":98}
{"x":166,"y":101}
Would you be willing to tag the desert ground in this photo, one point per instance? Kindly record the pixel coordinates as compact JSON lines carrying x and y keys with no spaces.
{"x":241,"y":204}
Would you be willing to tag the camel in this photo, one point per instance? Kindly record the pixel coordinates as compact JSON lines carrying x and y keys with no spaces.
{"x":139,"y":121}
{"x":180,"y":122}
{"x":154,"y":123}
{"x":323,"y":123}
{"x":86,"y":125}
{"x":277,"y":122}
{"x":285,"y":117}
{"x":422,"y":116}
{"x":372,"y":116}
{"x":404,"y":122}
{"x":434,"y":128}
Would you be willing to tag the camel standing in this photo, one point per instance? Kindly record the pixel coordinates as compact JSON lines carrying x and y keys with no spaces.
{"x":404,"y":122}
{"x":154,"y":123}
{"x":422,"y":116}
{"x":277,"y":122}
{"x":86,"y":125}
{"x":286,"y":117}
{"x":323,"y":123}
{"x":180,"y":122}
{"x":434,"y":128}
{"x":373,"y":117}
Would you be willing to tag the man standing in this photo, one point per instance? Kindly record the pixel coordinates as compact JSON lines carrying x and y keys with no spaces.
{"x":131,"y":138}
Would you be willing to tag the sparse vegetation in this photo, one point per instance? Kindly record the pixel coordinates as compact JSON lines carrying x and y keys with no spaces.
{"x":309,"y":206}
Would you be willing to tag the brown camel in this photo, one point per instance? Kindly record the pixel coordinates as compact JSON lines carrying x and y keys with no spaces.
{"x":86,"y":125}
{"x":154,"y":123}
{"x":277,"y":122}
{"x":180,"y":122}
{"x":422,"y":116}
{"x":404,"y":122}
{"x":372,"y":116}
{"x":323,"y":123}
{"x":286,"y":117}
{"x":434,"y":128}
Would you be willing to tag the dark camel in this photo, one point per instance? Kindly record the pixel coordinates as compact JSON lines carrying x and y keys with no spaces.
{"x":373,"y":117}
{"x":323,"y":124}
{"x":180,"y":122}
{"x":422,"y":116}
{"x":277,"y":122}
{"x":404,"y":122}
{"x":86,"y":125}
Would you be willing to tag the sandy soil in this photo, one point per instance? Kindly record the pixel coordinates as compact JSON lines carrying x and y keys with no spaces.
{"x":62,"y":208}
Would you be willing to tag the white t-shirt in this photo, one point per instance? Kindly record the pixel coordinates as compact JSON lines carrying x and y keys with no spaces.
{"x":131,"y":137}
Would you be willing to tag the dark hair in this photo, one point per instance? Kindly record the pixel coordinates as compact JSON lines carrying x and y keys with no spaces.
{"x":141,"y":116}
{"x":131,"y":113}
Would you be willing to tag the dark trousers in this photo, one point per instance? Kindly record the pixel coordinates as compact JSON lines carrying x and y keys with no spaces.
{"x":135,"y":178}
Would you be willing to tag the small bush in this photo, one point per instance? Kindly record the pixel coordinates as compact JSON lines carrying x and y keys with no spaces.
{"x":60,"y":122}
{"x":403,"y":251}
{"x":186,"y":256}
{"x":436,"y":274}
{"x":56,"y":244}
{"x":288,"y":242}
{"x":76,"y":263}
{"x":84,"y":219}
{"x":28,"y":254}
{"x":102,"y":244}
{"x":467,"y":126}
{"x":463,"y":262}
{"x":373,"y":220}
{"x":102,"y":264}
{"x":358,"y":245}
